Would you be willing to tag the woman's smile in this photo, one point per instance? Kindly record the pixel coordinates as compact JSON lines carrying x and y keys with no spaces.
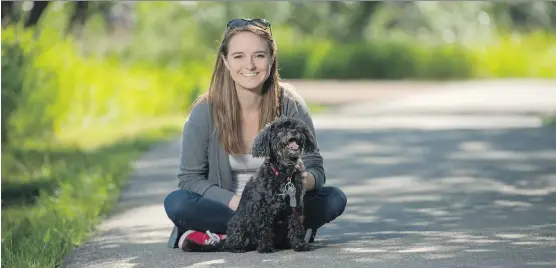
{"x":250,"y":74}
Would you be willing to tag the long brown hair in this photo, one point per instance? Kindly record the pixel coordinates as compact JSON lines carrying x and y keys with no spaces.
{"x":222,"y":96}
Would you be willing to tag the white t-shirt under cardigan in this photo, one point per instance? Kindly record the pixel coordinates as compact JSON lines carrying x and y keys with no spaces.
{"x":243,"y":167}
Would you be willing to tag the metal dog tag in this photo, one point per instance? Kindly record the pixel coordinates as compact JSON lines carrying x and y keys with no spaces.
{"x":290,"y":191}
{"x":293,"y":201}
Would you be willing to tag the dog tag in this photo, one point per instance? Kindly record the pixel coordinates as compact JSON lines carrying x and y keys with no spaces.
{"x":290,"y":191}
{"x":293,"y":201}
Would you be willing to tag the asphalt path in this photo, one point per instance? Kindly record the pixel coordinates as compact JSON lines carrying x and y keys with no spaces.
{"x":461,"y":175}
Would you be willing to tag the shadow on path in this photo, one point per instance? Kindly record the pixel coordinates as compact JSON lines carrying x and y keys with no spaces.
{"x":475,"y":197}
{"x":416,"y":198}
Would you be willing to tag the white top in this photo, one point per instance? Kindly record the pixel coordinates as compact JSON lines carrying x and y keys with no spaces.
{"x":243,"y":167}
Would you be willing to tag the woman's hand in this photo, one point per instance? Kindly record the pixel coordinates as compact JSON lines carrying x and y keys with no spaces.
{"x":308,"y":179}
{"x":234,"y":202}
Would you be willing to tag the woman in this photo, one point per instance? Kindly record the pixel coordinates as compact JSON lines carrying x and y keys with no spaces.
{"x":243,"y":96}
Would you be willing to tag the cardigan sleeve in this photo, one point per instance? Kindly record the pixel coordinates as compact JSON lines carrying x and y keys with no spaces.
{"x":294,"y":106}
{"x":193,"y":165}
{"x":194,"y":157}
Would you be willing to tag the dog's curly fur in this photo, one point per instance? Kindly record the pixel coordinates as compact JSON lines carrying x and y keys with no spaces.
{"x":262,"y":209}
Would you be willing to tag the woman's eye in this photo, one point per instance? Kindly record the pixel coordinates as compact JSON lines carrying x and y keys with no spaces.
{"x":237,"y":57}
{"x":261,"y":56}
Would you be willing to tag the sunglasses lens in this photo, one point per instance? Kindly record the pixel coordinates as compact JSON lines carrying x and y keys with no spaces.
{"x":242,"y":22}
{"x":237,"y":23}
{"x":260,"y":23}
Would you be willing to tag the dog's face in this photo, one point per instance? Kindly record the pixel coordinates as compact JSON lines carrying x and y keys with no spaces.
{"x":284,"y":139}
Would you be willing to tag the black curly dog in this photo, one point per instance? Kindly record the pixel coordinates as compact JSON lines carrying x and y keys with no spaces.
{"x":264,"y":205}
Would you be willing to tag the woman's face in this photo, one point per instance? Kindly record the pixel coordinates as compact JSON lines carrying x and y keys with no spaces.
{"x":249,"y":60}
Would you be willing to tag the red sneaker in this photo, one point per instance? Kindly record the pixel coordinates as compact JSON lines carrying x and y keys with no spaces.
{"x":193,"y":240}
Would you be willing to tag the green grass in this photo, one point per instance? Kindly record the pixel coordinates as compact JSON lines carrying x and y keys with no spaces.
{"x":75,"y":123}
{"x":53,"y":197}
{"x":315,"y":108}
{"x":549,"y":120}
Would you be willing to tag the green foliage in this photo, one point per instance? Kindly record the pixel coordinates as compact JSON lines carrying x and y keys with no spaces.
{"x":391,"y":60}
{"x":63,"y":90}
{"x":529,"y":55}
{"x":59,"y":106}
{"x":53,"y":197}
{"x":12,"y":83}
{"x":549,"y":120}
{"x":515,"y":55}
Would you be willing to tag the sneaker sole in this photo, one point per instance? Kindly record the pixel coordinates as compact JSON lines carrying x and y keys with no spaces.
{"x":308,"y":234}
{"x":182,"y":239}
{"x":174,"y":237}
{"x":194,"y":247}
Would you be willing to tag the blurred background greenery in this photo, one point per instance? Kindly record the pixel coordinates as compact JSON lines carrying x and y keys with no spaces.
{"x":92,"y":63}
{"x":87,"y":86}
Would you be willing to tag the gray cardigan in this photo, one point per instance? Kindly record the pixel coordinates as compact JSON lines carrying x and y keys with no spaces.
{"x":204,"y":164}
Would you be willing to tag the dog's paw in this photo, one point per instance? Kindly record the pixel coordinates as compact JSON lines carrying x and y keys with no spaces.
{"x":266,"y":249}
{"x":236,"y":250}
{"x":302,"y":247}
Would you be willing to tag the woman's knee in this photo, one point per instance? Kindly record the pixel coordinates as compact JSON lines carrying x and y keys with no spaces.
{"x":178,"y":202}
{"x":337,"y":201}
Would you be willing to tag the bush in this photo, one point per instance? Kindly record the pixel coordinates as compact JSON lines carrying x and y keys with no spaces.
{"x":12,"y":83}
{"x":524,"y":56}
{"x":292,"y":62}
{"x":376,"y":60}
{"x":63,"y":90}
{"x":515,"y":55}
{"x":75,"y":125}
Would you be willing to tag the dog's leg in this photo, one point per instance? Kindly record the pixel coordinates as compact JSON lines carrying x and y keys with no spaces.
{"x":237,"y":239}
{"x":296,"y":231}
{"x":296,"y":234}
{"x":266,"y":243}
{"x":233,"y":242}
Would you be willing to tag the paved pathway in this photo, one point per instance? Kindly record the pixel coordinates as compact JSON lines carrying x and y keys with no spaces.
{"x":460,"y":176}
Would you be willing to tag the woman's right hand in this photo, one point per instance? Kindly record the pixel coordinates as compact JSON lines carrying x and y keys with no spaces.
{"x":234,"y":202}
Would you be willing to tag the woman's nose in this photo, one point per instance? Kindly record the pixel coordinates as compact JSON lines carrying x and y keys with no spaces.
{"x":250,"y":64}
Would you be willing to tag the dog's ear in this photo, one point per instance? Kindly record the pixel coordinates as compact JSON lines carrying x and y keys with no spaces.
{"x":310,"y":144}
{"x":261,"y":144}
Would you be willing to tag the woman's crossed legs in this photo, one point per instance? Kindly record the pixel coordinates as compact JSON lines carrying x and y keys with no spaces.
{"x":194,"y":215}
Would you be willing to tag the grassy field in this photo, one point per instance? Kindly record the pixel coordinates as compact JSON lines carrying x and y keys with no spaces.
{"x":71,"y":127}
{"x":53,"y":197}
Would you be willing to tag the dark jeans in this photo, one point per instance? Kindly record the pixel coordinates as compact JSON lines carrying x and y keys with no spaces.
{"x":190,"y":211}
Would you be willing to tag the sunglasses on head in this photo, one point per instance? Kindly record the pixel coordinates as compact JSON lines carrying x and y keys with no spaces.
{"x":261,"y":23}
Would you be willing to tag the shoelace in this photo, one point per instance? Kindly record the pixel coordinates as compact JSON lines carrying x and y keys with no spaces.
{"x":213,"y":238}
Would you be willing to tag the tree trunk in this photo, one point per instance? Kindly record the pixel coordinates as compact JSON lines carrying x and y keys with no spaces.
{"x":78,"y":18}
{"x":36,"y":12}
{"x":362,"y":18}
{"x":7,"y":12}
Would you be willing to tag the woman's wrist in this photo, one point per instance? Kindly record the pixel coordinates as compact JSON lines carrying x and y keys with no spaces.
{"x":234,"y":202}
{"x":309,"y":183}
